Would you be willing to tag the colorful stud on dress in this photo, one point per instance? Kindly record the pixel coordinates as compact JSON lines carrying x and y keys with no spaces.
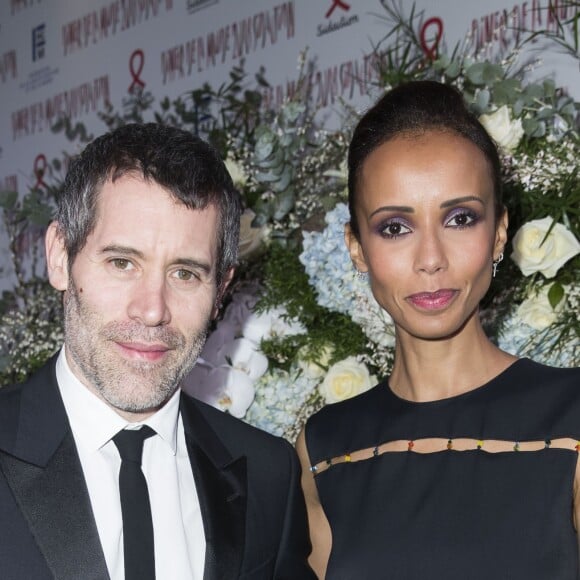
{"x":547,"y":443}
{"x":376,"y":451}
{"x":577,"y":446}
{"x":450,"y":444}
{"x":410,"y":445}
{"x":516,"y":446}
{"x":314,"y":468}
{"x":347,"y":458}
{"x":479,"y":443}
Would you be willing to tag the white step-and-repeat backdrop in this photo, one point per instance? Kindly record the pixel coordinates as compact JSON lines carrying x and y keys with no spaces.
{"x":70,"y":57}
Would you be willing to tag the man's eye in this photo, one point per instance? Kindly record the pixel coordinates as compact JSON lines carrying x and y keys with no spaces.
{"x":185,"y":275}
{"x":121,"y":263}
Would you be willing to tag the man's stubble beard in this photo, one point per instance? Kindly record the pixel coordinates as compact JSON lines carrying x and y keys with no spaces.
{"x":129,"y":386}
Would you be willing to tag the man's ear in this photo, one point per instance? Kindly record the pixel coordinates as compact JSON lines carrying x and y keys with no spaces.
{"x":221,"y":292}
{"x":355,"y":249}
{"x":500,"y":235}
{"x":56,"y":258}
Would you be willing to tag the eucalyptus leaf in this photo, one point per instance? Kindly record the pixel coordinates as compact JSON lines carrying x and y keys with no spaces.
{"x":453,"y":70}
{"x":284,"y":179}
{"x":555,"y":294}
{"x":482,"y":100}
{"x":506,"y":91}
{"x":530,"y":126}
{"x":518,"y":107}
{"x":475,"y":73}
{"x":491,"y":73}
{"x":534,"y":91}
{"x":549,"y":88}
{"x":545,"y":113}
{"x":442,"y":62}
{"x":284,"y":204}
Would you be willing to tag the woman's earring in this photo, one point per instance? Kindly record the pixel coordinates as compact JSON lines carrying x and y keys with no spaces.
{"x":495,"y":264}
{"x":361,"y":275}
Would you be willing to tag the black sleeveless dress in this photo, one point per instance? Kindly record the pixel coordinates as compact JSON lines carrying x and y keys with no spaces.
{"x":493,"y":501}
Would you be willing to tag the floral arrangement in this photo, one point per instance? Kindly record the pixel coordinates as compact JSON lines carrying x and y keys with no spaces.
{"x":300,"y":329}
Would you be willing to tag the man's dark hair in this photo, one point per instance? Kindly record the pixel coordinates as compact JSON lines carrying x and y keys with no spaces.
{"x":186,"y":166}
{"x":412,"y":109}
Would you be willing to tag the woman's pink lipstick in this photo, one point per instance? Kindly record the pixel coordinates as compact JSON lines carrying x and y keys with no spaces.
{"x":432,"y":300}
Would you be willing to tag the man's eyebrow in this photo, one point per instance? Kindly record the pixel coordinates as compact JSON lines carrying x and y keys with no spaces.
{"x":132,"y":252}
{"x":401,"y":208}
{"x":463,"y":199}
{"x":193,"y":264}
{"x":124,"y":250}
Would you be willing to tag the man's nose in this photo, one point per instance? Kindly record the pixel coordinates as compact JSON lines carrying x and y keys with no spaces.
{"x":148,"y":302}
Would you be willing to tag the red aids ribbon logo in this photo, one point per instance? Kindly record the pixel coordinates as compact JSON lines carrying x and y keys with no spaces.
{"x":430,"y":44}
{"x":40,"y":166}
{"x":337,"y":4}
{"x":136,"y":63}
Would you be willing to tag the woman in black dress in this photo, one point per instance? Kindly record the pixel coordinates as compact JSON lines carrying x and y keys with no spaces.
{"x":462,"y":464}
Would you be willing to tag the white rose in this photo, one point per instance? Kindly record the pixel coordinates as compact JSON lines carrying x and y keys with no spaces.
{"x":236,"y":172}
{"x":250,"y":238}
{"x":505,"y":132}
{"x":537,"y":312}
{"x":345,"y":379}
{"x":534,"y":252}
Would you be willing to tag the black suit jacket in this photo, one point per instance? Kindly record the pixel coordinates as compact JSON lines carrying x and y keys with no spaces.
{"x":247,"y":482}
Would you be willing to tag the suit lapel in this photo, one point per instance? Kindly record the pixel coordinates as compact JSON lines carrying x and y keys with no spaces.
{"x":40,"y":463}
{"x":221,"y":483}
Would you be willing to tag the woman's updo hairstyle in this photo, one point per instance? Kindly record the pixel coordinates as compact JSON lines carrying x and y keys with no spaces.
{"x":411,"y":109}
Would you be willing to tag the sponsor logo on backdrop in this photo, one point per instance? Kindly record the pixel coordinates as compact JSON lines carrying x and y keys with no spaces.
{"x":73,"y":103}
{"x":230,"y":42}
{"x":197,"y":5}
{"x":430,"y":36}
{"x":17,"y":6}
{"x":9,"y":183}
{"x":101,"y":23}
{"x":39,"y":78}
{"x":38,"y":42}
{"x":338,"y":16}
{"x":8,"y":66}
{"x":136,"y":64}
{"x":39,"y":170}
{"x":503,"y":29}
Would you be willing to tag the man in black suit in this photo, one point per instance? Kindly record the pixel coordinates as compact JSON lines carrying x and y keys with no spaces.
{"x":143,"y":247}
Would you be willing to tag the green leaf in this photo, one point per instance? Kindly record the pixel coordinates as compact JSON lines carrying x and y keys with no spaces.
{"x":8,"y":199}
{"x":475,"y":73}
{"x":555,"y":294}
{"x":453,"y":70}
{"x":482,"y":100}
{"x":549,"y":88}
{"x":529,"y":126}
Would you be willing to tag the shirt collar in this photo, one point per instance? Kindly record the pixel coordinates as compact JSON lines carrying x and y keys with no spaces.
{"x":94,"y":423}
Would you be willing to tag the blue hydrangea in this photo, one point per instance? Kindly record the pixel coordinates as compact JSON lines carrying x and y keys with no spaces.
{"x":279,"y":397}
{"x":522,"y":340}
{"x":327,"y":262}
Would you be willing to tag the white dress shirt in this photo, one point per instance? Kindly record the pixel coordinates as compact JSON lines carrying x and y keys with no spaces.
{"x":177,"y":521}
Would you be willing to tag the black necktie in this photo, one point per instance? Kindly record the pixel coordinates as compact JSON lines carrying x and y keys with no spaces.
{"x":135,"y":506}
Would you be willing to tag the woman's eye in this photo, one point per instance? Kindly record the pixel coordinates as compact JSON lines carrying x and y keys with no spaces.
{"x":394,"y":230}
{"x":461,"y":219}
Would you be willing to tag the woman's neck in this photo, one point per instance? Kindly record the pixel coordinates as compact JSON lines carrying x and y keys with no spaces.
{"x":429,"y":370}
